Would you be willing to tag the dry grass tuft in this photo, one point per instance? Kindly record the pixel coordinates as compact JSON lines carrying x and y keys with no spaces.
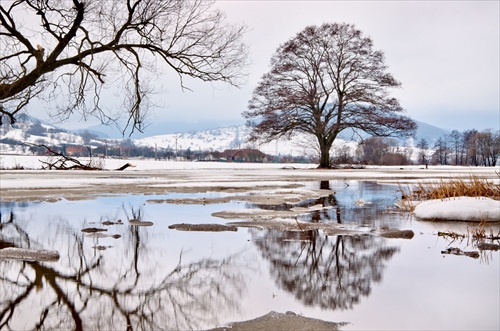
{"x":16,"y":166}
{"x":472,"y":187}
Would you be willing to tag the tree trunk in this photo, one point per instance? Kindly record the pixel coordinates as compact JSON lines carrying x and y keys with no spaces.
{"x":324,"y":159}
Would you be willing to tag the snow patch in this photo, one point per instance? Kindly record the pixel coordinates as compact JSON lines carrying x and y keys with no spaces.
{"x":460,"y":209}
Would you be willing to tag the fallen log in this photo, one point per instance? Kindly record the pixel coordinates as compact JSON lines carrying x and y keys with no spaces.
{"x":125,"y":166}
{"x":66,"y":162}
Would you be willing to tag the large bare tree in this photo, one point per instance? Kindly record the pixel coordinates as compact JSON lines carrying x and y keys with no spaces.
{"x":322,"y":81}
{"x":66,"y":52}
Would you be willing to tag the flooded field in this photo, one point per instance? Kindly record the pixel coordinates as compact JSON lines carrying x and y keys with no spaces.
{"x":126,"y":263}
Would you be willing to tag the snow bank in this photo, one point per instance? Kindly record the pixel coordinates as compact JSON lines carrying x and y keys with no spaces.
{"x":459,"y":209}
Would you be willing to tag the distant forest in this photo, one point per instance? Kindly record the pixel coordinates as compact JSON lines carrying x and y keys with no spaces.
{"x":467,"y":148}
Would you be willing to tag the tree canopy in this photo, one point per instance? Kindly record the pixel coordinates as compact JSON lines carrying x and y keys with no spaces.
{"x":66,"y":52}
{"x":322,"y":81}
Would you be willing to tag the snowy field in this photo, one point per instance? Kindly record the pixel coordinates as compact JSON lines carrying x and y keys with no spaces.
{"x":30,"y":162}
{"x":149,"y":176}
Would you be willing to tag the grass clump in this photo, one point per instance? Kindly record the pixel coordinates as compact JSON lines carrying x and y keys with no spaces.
{"x":473,"y":186}
{"x":16,"y":166}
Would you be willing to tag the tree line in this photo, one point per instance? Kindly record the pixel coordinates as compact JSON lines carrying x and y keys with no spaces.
{"x":468,"y":148}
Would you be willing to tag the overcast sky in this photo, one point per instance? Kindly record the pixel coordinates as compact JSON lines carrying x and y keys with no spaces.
{"x":445,"y":54}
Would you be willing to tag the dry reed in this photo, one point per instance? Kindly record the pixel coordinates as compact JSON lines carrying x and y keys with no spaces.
{"x":473,"y":186}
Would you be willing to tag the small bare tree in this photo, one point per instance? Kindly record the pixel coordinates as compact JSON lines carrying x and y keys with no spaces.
{"x":324,"y":80}
{"x":70,"y":50}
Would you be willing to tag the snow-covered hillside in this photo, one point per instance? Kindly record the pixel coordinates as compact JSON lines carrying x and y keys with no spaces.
{"x":28,"y":132}
{"x":20,"y":138}
{"x":235,"y":137}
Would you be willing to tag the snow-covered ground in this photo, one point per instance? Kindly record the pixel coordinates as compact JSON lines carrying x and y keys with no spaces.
{"x":460,"y":209}
{"x":155,"y":175}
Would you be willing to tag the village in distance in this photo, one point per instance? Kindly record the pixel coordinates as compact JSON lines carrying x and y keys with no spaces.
{"x":430,"y":145}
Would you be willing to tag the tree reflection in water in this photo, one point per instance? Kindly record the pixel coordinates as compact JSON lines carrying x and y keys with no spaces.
{"x":87,"y":291}
{"x":329,"y":272}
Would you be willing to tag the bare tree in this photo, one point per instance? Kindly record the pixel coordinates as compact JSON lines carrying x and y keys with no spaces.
{"x":488,"y":147}
{"x":441,"y":151}
{"x":71,"y":50}
{"x":470,"y":147}
{"x":322,"y":81}
{"x":423,"y":147}
{"x":373,"y":149}
{"x":456,"y":141}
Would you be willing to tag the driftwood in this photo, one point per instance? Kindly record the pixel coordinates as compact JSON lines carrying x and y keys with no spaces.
{"x":65,"y":162}
{"x":125,"y":166}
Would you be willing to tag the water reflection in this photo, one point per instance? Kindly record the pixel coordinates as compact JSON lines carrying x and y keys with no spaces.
{"x":152,"y":277}
{"x":329,"y":272}
{"x":356,"y":202}
{"x":129,"y":289}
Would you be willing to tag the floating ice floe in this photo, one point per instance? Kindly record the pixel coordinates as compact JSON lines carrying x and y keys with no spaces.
{"x":26,"y":254}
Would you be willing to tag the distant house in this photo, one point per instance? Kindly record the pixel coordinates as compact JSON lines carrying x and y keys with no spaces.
{"x":237,"y":155}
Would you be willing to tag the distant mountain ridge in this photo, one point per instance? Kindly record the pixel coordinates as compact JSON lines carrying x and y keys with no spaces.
{"x":429,"y":132}
{"x":237,"y":136}
{"x":33,"y":131}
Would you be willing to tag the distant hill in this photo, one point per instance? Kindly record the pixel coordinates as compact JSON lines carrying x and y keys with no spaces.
{"x":33,"y":131}
{"x":237,"y":137}
{"x":27,"y":132}
{"x":429,"y":132}
{"x":425,"y":131}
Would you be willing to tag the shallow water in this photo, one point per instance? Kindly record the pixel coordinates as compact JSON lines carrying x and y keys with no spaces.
{"x":153,"y":277}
